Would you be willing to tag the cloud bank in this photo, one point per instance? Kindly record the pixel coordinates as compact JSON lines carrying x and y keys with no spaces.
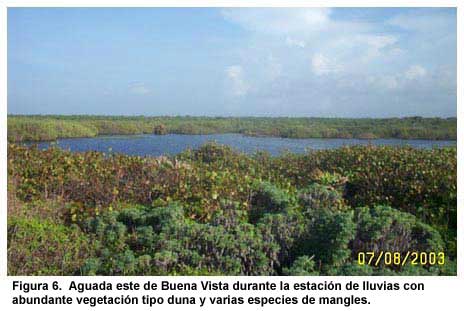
{"x":342,"y":62}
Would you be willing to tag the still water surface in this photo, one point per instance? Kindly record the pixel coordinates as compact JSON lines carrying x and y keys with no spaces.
{"x":155,"y":145}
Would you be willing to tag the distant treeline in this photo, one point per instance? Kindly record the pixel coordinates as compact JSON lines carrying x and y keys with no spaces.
{"x":51,"y":127}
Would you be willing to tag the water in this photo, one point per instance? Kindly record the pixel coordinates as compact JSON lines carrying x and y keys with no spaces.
{"x":156,"y":145}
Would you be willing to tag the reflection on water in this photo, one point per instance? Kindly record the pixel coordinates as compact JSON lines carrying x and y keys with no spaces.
{"x":155,"y":145}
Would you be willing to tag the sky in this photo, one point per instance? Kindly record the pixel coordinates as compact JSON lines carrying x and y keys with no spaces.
{"x":314,"y":62}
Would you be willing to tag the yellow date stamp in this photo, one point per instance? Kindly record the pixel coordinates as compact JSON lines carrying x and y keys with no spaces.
{"x":388,"y":258}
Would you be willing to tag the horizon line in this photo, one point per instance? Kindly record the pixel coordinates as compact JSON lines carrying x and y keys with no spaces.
{"x":225,"y":117}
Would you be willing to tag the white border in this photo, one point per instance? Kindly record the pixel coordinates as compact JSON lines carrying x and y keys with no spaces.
{"x":3,"y":137}
{"x":231,"y":3}
{"x":441,"y":292}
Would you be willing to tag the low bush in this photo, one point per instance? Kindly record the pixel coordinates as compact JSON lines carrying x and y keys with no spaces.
{"x":160,"y":240}
{"x":384,"y":228}
{"x":267,"y":198}
{"x":216,"y":211}
{"x":41,"y":247}
{"x":303,"y":265}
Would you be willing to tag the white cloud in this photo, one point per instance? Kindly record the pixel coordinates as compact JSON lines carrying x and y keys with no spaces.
{"x":139,"y":89}
{"x":360,"y":47}
{"x":322,"y":65}
{"x":279,"y":20}
{"x":293,"y":42}
{"x":378,"y":46}
{"x":354,"y":43}
{"x":396,"y":52}
{"x":237,"y":82}
{"x":342,"y":59}
{"x":401,"y":80}
{"x":379,"y":41}
{"x":415,"y":72}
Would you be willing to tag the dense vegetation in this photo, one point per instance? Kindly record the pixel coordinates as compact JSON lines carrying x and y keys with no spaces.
{"x":214,"y":211}
{"x":38,"y":128}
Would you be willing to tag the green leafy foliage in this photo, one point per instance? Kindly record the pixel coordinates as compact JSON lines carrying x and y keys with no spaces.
{"x":383,"y":227}
{"x":214,"y":211}
{"x":327,"y":236}
{"x":303,"y":265}
{"x":160,"y":240}
{"x":284,"y":229}
{"x":318,"y":196}
{"x":267,"y":198}
{"x":41,"y":247}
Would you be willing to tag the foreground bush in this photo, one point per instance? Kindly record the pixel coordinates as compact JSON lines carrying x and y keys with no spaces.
{"x":267,"y":198}
{"x":418,"y":181}
{"x":215,"y":211}
{"x":160,"y":240}
{"x":40,"y":247}
{"x":382,"y":228}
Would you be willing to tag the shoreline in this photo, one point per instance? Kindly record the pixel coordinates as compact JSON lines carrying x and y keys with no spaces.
{"x":225,"y":133}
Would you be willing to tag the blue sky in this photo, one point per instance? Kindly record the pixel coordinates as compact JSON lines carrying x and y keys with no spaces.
{"x":358,"y":62}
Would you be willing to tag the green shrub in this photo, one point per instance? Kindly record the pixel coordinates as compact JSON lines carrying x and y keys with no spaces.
{"x":418,"y":181}
{"x":40,"y":247}
{"x":237,"y":214}
{"x":285,"y":229}
{"x":327,"y":236}
{"x":352,"y":268}
{"x":319,"y":197}
{"x":303,"y":265}
{"x":176,"y":244}
{"x":383,"y":228}
{"x":267,"y":198}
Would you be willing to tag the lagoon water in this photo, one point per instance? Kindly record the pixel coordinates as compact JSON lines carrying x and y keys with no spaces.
{"x":172,"y":144}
